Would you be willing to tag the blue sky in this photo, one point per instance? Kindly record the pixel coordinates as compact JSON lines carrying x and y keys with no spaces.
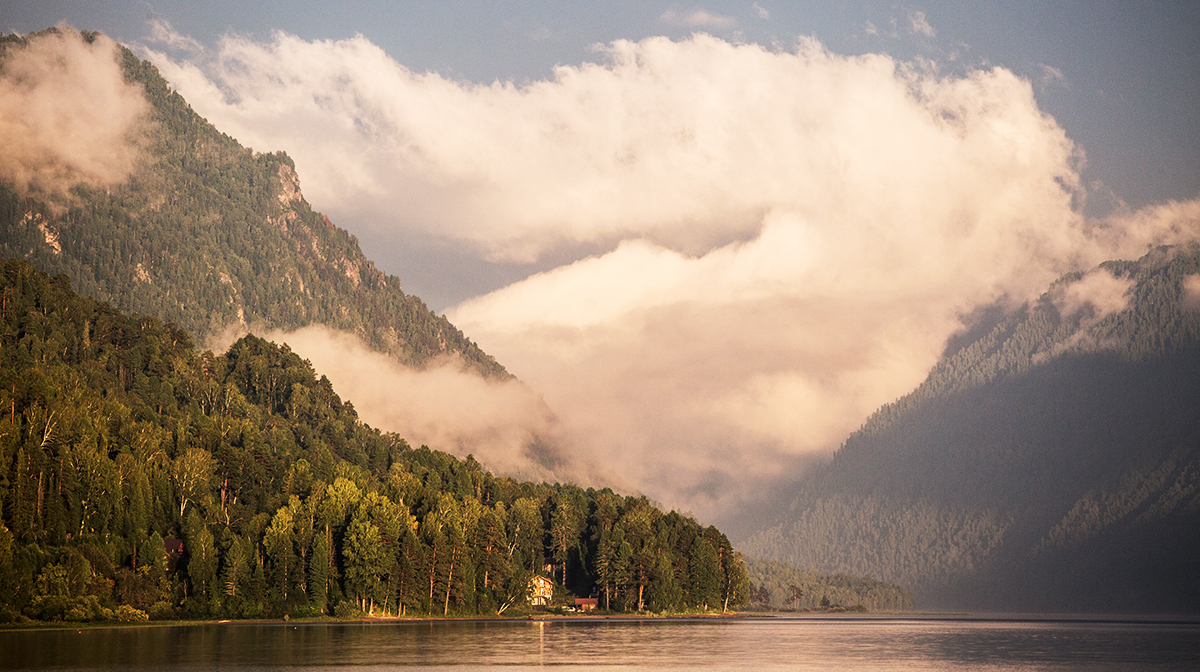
{"x":711,"y":237}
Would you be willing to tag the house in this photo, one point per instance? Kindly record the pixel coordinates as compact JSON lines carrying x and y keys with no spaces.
{"x":586,"y":603}
{"x":172,"y":553}
{"x":541,"y":591}
{"x":173,"y":548}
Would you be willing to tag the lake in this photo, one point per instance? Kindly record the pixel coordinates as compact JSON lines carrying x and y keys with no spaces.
{"x":864,"y":643}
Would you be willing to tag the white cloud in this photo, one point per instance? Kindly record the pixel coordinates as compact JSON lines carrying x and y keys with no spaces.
{"x":787,"y":237}
{"x":698,"y":18}
{"x":67,"y":116}
{"x":1191,"y":292}
{"x":919,"y":25}
{"x":1130,"y":234}
{"x":503,"y":423}
{"x":1099,"y":290}
{"x":162,"y":32}
{"x":1051,"y":76}
{"x":687,"y":143}
{"x":761,"y":11}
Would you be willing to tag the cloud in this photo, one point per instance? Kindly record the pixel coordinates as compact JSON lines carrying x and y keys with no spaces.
{"x":1051,"y":76}
{"x":1128,"y":235}
{"x":1190,"y":287}
{"x":162,"y":32}
{"x":1099,"y":290}
{"x":685,"y":143}
{"x":780,"y":241}
{"x":67,"y":116}
{"x":708,"y":373}
{"x":760,"y":11}
{"x":503,"y":423}
{"x":699,"y":18}
{"x":919,"y":25}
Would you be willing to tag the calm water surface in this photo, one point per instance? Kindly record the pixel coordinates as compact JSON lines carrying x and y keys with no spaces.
{"x":657,"y":644}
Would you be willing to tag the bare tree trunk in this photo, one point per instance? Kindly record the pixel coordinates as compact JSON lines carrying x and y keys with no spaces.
{"x":432,"y":574}
{"x":449,"y":582}
{"x":388,"y":597}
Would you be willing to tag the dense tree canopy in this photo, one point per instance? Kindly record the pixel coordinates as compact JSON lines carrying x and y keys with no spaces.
{"x":779,"y":586}
{"x":119,"y":440}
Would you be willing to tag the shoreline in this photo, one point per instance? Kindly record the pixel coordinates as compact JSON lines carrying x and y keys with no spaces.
{"x":375,"y":620}
{"x":579,"y":618}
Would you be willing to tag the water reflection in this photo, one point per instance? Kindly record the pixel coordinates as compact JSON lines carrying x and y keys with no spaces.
{"x":763,"y":644}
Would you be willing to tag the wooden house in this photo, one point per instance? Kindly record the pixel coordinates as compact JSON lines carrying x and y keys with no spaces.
{"x":541,"y":591}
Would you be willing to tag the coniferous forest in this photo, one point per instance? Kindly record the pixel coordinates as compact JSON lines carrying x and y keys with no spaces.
{"x":777,"y":586}
{"x":143,"y":478}
{"x":209,"y":234}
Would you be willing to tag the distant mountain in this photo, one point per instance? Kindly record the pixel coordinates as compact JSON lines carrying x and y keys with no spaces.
{"x":208,"y":234}
{"x":778,"y":586}
{"x":1051,"y":462}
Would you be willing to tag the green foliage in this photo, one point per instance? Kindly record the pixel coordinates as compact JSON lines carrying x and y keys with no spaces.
{"x":779,"y":586}
{"x":119,"y":442}
{"x":128,"y":614}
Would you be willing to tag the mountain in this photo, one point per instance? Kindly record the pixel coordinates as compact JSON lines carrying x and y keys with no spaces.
{"x":208,"y":234}
{"x":1049,"y":462}
{"x":778,"y":586}
{"x":140,"y":477}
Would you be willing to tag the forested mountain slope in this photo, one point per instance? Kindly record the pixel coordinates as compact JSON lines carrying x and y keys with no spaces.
{"x":139,"y":475}
{"x":778,"y":586}
{"x":1052,"y":463}
{"x":207,"y":234}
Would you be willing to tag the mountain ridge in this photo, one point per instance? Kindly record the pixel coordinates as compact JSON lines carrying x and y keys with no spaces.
{"x":1052,"y":464}
{"x":209,"y":235}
